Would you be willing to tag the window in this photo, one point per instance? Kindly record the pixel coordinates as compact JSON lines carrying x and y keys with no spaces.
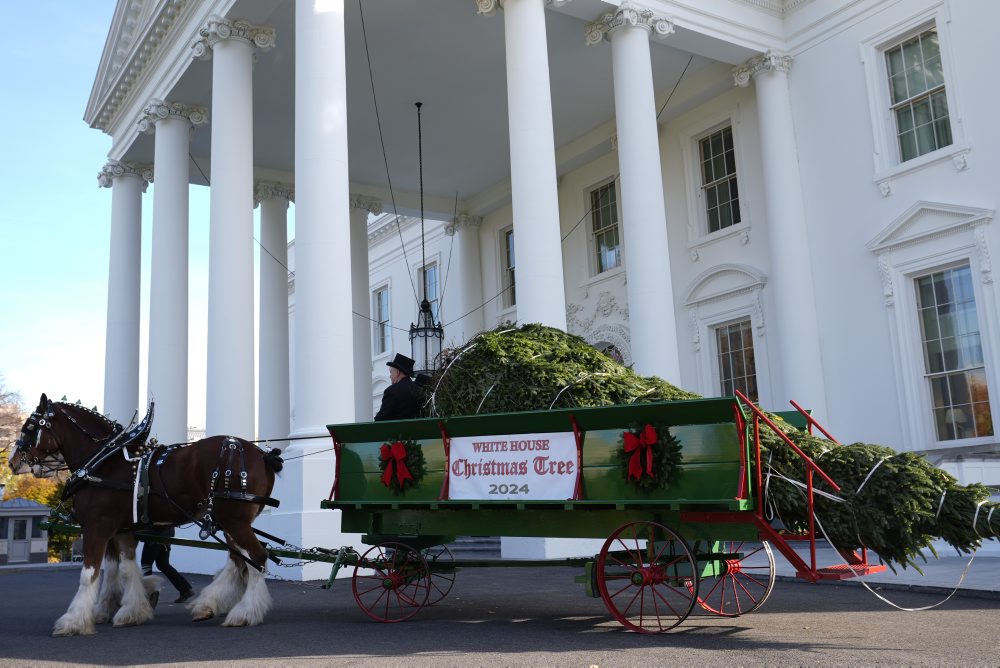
{"x":917,"y":95}
{"x":953,"y":354}
{"x":737,"y":370}
{"x":718,"y":174}
{"x":382,"y":336}
{"x":604,"y":214}
{"x":20,"y":529}
{"x":36,"y":527}
{"x":4,"y":522}
{"x":431,"y":286}
{"x":507,"y":282}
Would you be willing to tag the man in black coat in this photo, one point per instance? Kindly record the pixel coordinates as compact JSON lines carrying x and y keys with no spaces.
{"x":402,"y":399}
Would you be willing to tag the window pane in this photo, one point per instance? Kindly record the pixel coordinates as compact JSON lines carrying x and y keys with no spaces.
{"x":725,"y":215}
{"x":944,"y":429}
{"x":894,"y":58}
{"x":929,"y":319}
{"x":36,"y":529}
{"x":939,"y":392}
{"x":20,"y":529}
{"x":959,"y":387}
{"x":925,"y":139}
{"x":4,"y":523}
{"x":908,"y":146}
{"x":934,"y":72}
{"x":904,"y":118}
{"x":983,"y":419}
{"x":949,"y":347}
{"x":712,"y":196}
{"x":915,"y":81}
{"x":897,"y":86}
{"x":977,"y":385}
{"x":713,"y":220}
{"x":935,"y":358}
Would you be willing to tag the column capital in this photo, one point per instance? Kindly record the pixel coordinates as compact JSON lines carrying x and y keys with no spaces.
{"x":628,"y":15}
{"x":114,"y":169}
{"x":157,"y":110}
{"x":460,"y":221}
{"x":772,"y":61}
{"x":370,"y":204}
{"x":218,"y":28}
{"x":490,"y":7}
{"x":267,"y":189}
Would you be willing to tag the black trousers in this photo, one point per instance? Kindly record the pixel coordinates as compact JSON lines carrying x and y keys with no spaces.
{"x":159,"y":554}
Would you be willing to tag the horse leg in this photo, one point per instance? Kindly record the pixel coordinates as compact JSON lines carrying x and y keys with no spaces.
{"x":79,"y":617}
{"x":110,"y":598}
{"x":222,"y":593}
{"x":256,"y":600}
{"x":136,"y":608}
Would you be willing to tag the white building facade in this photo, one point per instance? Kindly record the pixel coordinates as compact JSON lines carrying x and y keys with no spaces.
{"x":790,"y":197}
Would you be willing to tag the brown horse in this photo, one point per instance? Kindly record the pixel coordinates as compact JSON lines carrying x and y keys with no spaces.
{"x":222,"y":482}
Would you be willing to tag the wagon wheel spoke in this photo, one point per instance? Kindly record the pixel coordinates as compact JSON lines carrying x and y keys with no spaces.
{"x":654,"y":577}
{"x":738,"y":586}
{"x":399,"y":586}
{"x":441,"y":563}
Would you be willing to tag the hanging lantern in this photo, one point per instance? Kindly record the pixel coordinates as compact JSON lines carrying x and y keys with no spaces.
{"x":426,"y":337}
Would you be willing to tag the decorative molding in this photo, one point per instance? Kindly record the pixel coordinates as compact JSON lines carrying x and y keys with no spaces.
{"x":888,"y":290}
{"x":370,"y":204}
{"x":387,"y":225}
{"x":616,"y":335}
{"x":462,"y":220}
{"x":926,"y":221}
{"x":961,"y":162}
{"x":157,"y":110}
{"x":772,"y":61}
{"x":757,"y":312}
{"x":114,"y":169}
{"x":885,"y":187}
{"x":985,"y":264}
{"x":606,"y":306}
{"x":628,"y":15}
{"x":490,"y":7}
{"x":268,"y":189}
{"x":694,"y":254}
{"x":123,"y":73}
{"x":614,"y":142}
{"x":745,"y":237}
{"x":730,"y":280}
{"x":695,"y":323}
{"x":217,"y":29}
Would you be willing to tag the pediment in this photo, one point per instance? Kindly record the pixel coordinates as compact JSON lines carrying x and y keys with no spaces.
{"x":723,"y":281}
{"x":925,"y":220}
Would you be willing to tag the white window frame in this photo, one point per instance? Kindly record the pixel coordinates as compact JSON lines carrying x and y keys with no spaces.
{"x":592,"y":265}
{"x":720,"y":296}
{"x":507,"y":302}
{"x":713,"y":332}
{"x":434,"y":260}
{"x":931,"y":237}
{"x":375,"y":324}
{"x":690,"y":137}
{"x":887,"y":160}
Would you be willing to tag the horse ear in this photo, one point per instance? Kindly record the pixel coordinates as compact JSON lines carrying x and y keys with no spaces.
{"x":42,"y":402}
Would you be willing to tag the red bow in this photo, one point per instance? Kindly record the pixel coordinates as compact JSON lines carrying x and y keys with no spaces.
{"x":396,"y":454}
{"x":636,"y":445}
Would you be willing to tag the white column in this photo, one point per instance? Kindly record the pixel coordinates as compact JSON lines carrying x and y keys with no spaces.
{"x":534,"y":195}
{"x":229,"y":407}
{"x":168,"y":271}
{"x":465,"y":280}
{"x":796,"y":325}
{"x":274,"y":406}
{"x":128,"y":182}
{"x":652,"y":318}
{"x":324,"y":335}
{"x":361,"y":304}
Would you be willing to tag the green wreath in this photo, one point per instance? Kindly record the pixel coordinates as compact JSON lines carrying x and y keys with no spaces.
{"x":650,"y":457}
{"x":402,"y":464}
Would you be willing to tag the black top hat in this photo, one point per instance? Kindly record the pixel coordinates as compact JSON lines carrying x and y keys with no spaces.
{"x":403,"y":363}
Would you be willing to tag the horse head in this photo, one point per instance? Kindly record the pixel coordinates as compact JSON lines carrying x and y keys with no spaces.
{"x":56,"y":431}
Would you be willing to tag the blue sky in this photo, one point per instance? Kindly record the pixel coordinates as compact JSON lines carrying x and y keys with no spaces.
{"x":55,"y":220}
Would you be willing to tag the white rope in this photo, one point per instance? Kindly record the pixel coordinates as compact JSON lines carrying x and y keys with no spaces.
{"x":975,"y":518}
{"x":480,"y":406}
{"x":575,"y":382}
{"x":818,"y":492}
{"x":883,"y":598}
{"x":882,"y":461}
{"x":989,"y":521}
{"x":940,"y":504}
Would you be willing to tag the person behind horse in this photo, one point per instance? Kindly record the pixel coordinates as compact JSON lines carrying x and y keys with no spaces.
{"x":159,"y":554}
{"x":402,"y":399}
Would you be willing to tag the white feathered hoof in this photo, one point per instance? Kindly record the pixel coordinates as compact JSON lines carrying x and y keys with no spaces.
{"x":68,"y":625}
{"x":106,"y":611}
{"x":138,"y":614}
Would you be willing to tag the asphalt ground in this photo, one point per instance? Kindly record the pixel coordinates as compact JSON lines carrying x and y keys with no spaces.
{"x":507,"y":617}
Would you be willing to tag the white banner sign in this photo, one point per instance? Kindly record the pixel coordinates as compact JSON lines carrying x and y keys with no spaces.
{"x":520,"y":466}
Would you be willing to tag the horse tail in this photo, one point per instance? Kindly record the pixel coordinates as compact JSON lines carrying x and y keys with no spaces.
{"x":273,"y":460}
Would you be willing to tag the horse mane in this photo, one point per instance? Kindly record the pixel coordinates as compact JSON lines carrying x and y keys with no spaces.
{"x":113,"y":426}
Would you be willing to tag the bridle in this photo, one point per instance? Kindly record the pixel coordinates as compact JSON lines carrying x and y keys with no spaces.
{"x":41,"y":420}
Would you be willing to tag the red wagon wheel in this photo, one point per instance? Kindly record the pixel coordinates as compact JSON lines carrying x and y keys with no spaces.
{"x":744,"y":580}
{"x":391,"y":582}
{"x":441,"y":564}
{"x":643,"y":574}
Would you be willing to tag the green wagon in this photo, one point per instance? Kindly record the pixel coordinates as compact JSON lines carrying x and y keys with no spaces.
{"x":694,"y":536}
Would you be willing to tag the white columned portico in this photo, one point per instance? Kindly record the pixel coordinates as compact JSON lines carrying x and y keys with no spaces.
{"x":128,"y":182}
{"x":168,"y":272}
{"x":273,"y":413}
{"x":467,"y":267}
{"x":796,"y":323}
{"x":652,"y":317}
{"x":534,"y":195}
{"x":324,"y":336}
{"x":229,"y":400}
{"x":361,"y":206}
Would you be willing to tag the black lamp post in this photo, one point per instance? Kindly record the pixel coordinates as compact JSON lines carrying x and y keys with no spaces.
{"x":426,"y":336}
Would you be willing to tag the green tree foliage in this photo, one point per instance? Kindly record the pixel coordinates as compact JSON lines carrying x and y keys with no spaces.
{"x":896,"y":509}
